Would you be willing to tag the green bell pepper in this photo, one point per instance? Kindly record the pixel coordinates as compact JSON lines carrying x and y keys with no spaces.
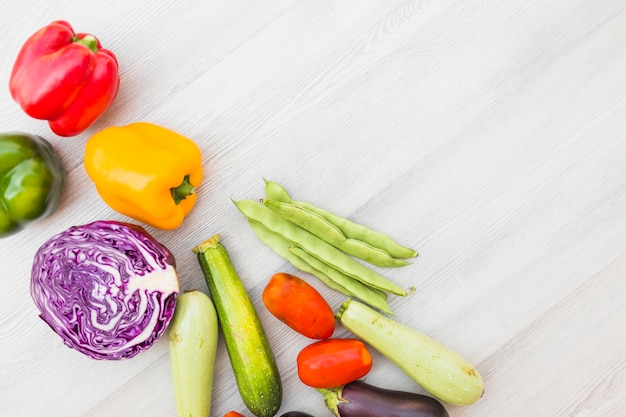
{"x":31,"y":180}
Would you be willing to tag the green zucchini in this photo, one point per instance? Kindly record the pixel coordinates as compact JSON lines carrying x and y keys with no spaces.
{"x":251,"y":356}
{"x":192,"y":336}
{"x":436,"y":368}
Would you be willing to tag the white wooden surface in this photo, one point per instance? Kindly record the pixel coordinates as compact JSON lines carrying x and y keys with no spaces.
{"x":488,"y":135}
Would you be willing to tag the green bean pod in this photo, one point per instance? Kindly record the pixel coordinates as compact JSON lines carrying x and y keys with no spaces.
{"x":316,"y":246}
{"x":276,"y":192}
{"x":368,"y":295}
{"x":363,"y":233}
{"x":349,"y":228}
{"x":328,"y":275}
{"x":325,"y":230}
{"x":308,"y":220}
{"x":281,"y":246}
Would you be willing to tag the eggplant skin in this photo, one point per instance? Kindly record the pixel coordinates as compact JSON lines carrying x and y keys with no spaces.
{"x":360,"y":399}
{"x":296,"y":414}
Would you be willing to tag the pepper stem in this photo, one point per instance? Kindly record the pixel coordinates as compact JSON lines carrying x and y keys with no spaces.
{"x":184,"y":190}
{"x":89,"y":41}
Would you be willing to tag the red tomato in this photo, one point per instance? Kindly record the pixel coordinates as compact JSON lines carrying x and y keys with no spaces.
{"x":297,"y":304}
{"x":333,"y":362}
{"x":233,"y":414}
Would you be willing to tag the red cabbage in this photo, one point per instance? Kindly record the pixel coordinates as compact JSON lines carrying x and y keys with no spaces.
{"x":107,"y":288}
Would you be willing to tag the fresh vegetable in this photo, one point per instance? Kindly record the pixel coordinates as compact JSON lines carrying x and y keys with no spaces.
{"x":304,"y":262}
{"x":372,"y":296}
{"x":193,"y":336}
{"x":295,"y":414}
{"x":325,"y":252}
{"x":326,"y":246}
{"x":327,"y":231}
{"x":146,"y":172}
{"x":233,"y":414}
{"x":299,"y":305}
{"x":107,"y":288}
{"x":359,"y":399}
{"x":31,"y":180}
{"x":438,"y":369}
{"x":251,"y":356}
{"x":64,"y":77}
{"x":349,"y":229}
{"x":333,"y":362}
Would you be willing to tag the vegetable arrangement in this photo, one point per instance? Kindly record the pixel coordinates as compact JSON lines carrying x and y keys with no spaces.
{"x":339,"y":281}
{"x":110,"y":290}
{"x":335,"y":366}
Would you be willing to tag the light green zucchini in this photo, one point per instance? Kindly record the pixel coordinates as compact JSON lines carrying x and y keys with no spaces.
{"x":436,"y":368}
{"x":193,"y":334}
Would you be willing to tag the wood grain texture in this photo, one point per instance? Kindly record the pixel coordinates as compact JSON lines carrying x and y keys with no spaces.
{"x":488,"y":135}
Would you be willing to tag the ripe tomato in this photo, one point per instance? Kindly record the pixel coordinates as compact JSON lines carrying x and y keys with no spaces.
{"x":233,"y":414}
{"x":297,"y":304}
{"x":333,"y":362}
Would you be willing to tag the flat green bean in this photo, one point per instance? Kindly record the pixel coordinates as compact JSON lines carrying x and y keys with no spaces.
{"x":281,"y":247}
{"x":328,"y":232}
{"x":363,"y":233}
{"x":349,"y":228}
{"x":308,"y":220}
{"x":375,"y":256}
{"x":316,"y":246}
{"x":325,"y":273}
{"x":368,"y":295}
{"x":275,"y":191}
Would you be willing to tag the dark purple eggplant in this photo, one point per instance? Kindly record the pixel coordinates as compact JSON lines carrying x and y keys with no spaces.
{"x":359,"y":399}
{"x":296,"y":414}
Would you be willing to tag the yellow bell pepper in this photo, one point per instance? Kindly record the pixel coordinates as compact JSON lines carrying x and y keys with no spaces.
{"x":145,"y":171}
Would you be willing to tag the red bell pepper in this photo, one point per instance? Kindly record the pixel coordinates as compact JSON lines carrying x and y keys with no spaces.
{"x":64,"y":77}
